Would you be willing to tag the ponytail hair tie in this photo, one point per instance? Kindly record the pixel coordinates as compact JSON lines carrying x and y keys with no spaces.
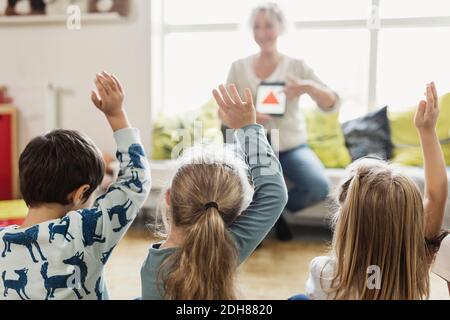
{"x":211,"y":205}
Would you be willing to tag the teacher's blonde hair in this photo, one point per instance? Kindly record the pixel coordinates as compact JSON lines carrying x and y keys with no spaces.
{"x":275,"y":13}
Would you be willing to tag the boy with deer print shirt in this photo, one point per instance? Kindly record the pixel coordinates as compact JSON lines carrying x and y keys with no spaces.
{"x":61,"y":249}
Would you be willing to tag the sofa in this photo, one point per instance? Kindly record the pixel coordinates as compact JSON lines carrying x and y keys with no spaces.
{"x":387,"y":134}
{"x":317,"y":215}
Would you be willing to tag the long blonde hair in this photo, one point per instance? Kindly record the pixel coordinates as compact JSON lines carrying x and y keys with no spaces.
{"x":380,"y":223}
{"x":204,"y":267}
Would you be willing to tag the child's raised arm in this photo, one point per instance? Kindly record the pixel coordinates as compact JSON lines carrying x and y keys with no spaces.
{"x":270,"y":196}
{"x":113,"y":212}
{"x":436,"y":183}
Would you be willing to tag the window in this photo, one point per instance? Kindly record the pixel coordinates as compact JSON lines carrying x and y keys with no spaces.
{"x":189,"y":12}
{"x":404,"y":69}
{"x":195,"y":63}
{"x":414,"y":8}
{"x":199,"y":39}
{"x":307,"y":10}
{"x":340,"y":59}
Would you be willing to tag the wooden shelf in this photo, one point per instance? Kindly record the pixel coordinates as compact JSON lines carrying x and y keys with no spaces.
{"x":58,"y":19}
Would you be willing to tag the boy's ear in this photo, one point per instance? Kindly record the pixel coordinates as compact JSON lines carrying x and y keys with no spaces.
{"x":77,"y":196}
{"x":167,"y":197}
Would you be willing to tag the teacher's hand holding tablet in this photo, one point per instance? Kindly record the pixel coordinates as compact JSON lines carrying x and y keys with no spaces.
{"x":295,"y":87}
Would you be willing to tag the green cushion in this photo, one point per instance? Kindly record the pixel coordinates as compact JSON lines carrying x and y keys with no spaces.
{"x":166,"y":134}
{"x":407,"y":149}
{"x":326,"y":139}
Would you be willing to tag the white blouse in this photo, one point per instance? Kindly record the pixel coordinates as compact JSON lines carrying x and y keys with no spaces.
{"x":441,"y":265}
{"x":321,"y":273}
{"x":291,"y":126}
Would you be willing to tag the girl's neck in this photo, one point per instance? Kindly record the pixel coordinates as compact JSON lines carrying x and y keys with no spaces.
{"x":175,"y":238}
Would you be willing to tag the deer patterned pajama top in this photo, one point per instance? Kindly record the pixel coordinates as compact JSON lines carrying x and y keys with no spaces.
{"x":65,"y":258}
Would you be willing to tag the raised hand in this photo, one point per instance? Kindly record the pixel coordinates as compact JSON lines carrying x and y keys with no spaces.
{"x":235,"y":112}
{"x":262,"y":118}
{"x":111,"y":94}
{"x":428,"y":111}
{"x":110,"y":101}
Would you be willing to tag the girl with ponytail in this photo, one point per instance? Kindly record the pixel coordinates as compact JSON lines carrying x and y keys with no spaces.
{"x":213,"y":217}
{"x":385,"y":233}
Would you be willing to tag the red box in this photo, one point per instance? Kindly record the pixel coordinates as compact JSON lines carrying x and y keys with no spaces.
{"x":8,"y":154}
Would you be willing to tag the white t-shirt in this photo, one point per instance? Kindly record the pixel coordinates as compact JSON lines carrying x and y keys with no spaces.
{"x":291,"y":126}
{"x":441,"y":265}
{"x":321,"y":272}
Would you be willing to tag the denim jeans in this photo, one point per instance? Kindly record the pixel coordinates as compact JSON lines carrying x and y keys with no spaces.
{"x":304,"y":169}
{"x":300,"y":297}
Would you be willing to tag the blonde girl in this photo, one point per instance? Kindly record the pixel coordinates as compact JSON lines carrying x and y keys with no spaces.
{"x":212,"y":228}
{"x":383,"y":230}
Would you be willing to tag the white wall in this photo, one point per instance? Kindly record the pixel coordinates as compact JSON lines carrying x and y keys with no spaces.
{"x":34,"y":55}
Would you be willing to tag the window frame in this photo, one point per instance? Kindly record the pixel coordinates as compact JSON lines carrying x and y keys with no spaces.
{"x":161,"y":29}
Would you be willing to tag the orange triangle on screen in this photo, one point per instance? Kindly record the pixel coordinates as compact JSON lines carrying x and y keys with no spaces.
{"x":271,"y":99}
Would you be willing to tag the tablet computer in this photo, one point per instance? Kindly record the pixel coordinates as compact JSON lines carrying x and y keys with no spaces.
{"x":271,"y":99}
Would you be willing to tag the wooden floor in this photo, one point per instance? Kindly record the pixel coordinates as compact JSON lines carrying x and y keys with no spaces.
{"x":275,"y":271}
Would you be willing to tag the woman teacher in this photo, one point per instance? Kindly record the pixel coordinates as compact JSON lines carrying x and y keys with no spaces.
{"x":300,"y":164}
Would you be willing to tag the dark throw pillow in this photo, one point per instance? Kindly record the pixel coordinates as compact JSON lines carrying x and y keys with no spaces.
{"x":369,"y":136}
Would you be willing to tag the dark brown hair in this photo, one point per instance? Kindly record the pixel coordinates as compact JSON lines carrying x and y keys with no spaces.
{"x":54,"y":165}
